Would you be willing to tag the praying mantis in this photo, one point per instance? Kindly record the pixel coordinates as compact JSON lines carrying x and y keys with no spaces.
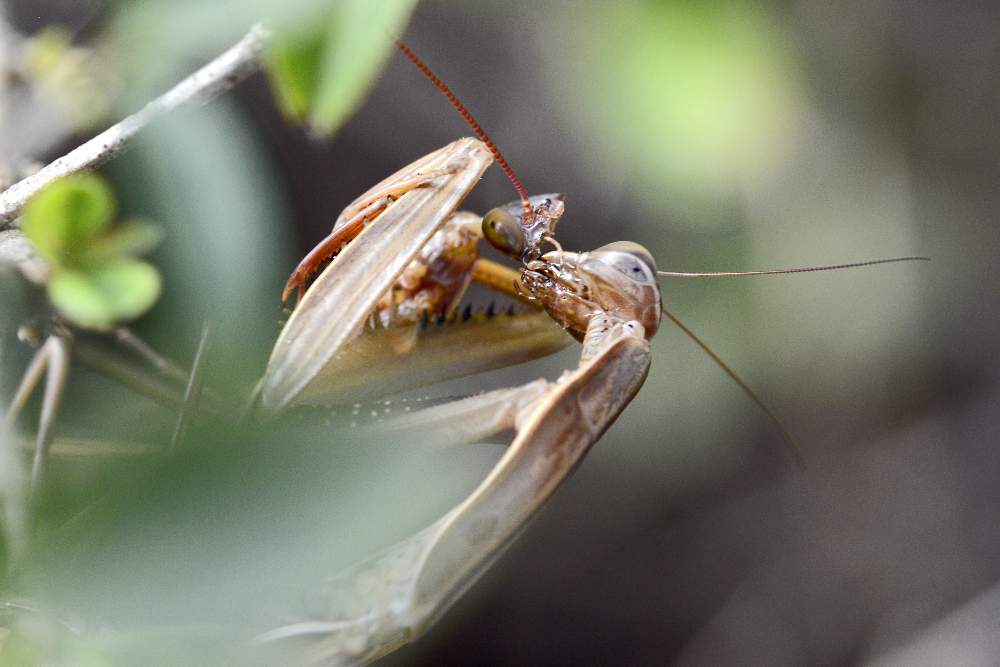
{"x":403,"y":256}
{"x":385,"y":316}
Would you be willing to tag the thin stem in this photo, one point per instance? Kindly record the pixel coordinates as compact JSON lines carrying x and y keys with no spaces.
{"x":130,"y":340}
{"x":110,"y":366}
{"x":234,"y":65}
{"x":97,"y":357}
{"x":144,"y":350}
{"x":192,"y":393}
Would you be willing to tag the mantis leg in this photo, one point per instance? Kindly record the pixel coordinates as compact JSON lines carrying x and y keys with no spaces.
{"x":469,"y":419}
{"x":330,"y":245}
{"x":500,"y":278}
{"x":391,"y":599}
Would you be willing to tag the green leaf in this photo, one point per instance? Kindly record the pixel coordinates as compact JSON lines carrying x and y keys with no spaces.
{"x":122,"y":290}
{"x":130,"y":238}
{"x":61,"y":219}
{"x":293,"y":66}
{"x":130,"y":286}
{"x":79,"y":300}
{"x":322,"y":71}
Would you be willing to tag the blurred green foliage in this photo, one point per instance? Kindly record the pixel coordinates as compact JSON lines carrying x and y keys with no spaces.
{"x":95,"y":280}
{"x":323,"y":56}
{"x":322,"y":69}
{"x":713,"y":102}
{"x":73,"y":77}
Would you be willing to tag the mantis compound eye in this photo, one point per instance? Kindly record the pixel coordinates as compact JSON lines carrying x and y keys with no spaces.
{"x":630,"y":259}
{"x":504,"y":232}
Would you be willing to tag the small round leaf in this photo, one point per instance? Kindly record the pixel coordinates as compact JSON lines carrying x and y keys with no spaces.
{"x":79,"y":300}
{"x":99,"y":299}
{"x":62,"y":218}
{"x":131,"y":287}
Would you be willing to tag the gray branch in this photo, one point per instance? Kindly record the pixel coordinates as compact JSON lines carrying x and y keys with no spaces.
{"x":237,"y":63}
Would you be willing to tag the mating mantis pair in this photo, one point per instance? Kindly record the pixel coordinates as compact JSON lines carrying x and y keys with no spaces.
{"x":403,"y":257}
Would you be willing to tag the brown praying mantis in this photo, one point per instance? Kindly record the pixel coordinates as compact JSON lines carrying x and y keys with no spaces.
{"x":403,"y":257}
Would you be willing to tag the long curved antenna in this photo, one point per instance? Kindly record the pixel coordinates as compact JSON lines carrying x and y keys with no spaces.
{"x":774,"y":272}
{"x":792,"y":445}
{"x":476,"y":127}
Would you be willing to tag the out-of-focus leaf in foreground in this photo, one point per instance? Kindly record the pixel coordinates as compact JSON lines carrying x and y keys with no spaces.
{"x":320,"y":70}
{"x":234,"y":535}
{"x":94,"y":282}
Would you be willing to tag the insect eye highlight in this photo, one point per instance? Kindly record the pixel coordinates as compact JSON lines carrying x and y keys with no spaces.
{"x":504,"y":232}
{"x":629,"y":258}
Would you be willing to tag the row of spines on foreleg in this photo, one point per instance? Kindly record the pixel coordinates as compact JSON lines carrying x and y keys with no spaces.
{"x":457,"y":316}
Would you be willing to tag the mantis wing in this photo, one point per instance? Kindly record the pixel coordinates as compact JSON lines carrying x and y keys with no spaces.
{"x":373,"y":365}
{"x":344,"y":295}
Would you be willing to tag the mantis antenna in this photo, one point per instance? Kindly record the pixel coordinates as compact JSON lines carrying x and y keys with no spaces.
{"x":476,"y":127}
{"x":523,"y":194}
{"x":775,"y":272}
{"x":793,"y":445}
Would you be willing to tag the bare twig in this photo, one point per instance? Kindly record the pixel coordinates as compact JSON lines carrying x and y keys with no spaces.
{"x":241,"y":60}
{"x":130,"y":340}
{"x":17,"y":252}
{"x":109,"y":365}
{"x":95,"y":356}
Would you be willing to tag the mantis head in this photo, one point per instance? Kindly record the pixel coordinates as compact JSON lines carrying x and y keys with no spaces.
{"x":517,"y":229}
{"x":618,"y":279}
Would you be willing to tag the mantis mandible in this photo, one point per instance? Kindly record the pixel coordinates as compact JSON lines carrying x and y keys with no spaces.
{"x":402,"y":258}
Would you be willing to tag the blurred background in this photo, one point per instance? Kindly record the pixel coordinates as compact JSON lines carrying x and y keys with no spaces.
{"x":723,"y":136}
